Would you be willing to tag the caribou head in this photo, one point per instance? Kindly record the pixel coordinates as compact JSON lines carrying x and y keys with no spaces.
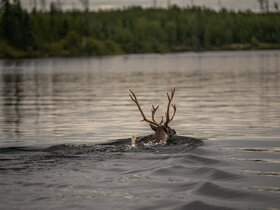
{"x":162,"y":130}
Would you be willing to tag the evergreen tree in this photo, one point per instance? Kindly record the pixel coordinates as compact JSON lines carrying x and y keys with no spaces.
{"x":16,"y":26}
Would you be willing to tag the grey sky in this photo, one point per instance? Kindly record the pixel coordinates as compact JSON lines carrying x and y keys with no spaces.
{"x":103,"y":4}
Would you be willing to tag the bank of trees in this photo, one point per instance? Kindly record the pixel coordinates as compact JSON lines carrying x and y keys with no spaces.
{"x":133,"y":30}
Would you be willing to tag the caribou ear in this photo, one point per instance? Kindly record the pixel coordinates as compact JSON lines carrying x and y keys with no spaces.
{"x":153,"y":127}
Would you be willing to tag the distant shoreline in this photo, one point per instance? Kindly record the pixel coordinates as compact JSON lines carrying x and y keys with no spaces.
{"x":149,"y":53}
{"x":146,"y":54}
{"x":132,"y":31}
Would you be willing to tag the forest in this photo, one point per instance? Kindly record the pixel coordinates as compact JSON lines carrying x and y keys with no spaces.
{"x":57,"y":33}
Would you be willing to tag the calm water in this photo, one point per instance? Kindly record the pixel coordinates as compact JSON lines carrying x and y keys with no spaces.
{"x":219,"y":96}
{"x":231,"y":99}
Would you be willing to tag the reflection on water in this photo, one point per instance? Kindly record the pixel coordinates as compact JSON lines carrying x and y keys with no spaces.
{"x":229,"y":97}
{"x":221,"y":95}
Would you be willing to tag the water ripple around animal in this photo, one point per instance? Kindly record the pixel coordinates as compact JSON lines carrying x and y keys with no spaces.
{"x":178,"y":144}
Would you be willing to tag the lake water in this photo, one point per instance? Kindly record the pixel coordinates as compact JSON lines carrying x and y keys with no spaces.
{"x":229,"y":99}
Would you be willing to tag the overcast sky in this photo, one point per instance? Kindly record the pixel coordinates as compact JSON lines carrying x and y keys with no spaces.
{"x":103,"y":4}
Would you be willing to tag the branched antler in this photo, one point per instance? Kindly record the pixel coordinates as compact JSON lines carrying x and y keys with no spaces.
{"x":170,"y":97}
{"x":153,"y":110}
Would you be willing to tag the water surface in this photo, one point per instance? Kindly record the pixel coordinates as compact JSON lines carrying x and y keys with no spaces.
{"x":230,"y":99}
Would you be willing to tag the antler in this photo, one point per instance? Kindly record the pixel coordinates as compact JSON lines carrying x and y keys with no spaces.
{"x":153,"y":110}
{"x":170,"y":97}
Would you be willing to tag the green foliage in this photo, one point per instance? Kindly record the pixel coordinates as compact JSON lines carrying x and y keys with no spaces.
{"x":16,"y":27}
{"x":134,"y":30}
{"x":6,"y":51}
{"x":254,"y":41}
{"x":72,"y":42}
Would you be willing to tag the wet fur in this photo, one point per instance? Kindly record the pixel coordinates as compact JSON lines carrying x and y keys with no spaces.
{"x":162,"y":135}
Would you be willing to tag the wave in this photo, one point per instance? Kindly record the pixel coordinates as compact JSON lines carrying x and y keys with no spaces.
{"x":178,"y":144}
{"x":199,"y":205}
{"x":161,"y":177}
{"x":210,"y":189}
{"x":4,"y":150}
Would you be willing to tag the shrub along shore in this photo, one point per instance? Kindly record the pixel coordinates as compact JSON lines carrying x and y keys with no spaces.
{"x":59,"y":33}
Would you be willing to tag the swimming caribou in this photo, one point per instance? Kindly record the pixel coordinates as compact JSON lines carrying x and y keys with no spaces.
{"x":163,"y":132}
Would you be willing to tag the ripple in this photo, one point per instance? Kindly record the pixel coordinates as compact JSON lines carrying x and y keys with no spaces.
{"x":216,"y":174}
{"x":263,"y":188}
{"x":199,"y":159}
{"x":178,"y":144}
{"x":255,"y":160}
{"x":257,"y":149}
{"x":199,"y":205}
{"x":18,"y":149}
{"x":259,"y":173}
{"x":210,"y":189}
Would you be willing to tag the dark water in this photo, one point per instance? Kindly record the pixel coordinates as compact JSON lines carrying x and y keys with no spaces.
{"x":53,"y":111}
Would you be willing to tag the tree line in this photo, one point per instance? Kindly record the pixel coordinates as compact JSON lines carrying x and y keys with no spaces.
{"x":131,"y":30}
